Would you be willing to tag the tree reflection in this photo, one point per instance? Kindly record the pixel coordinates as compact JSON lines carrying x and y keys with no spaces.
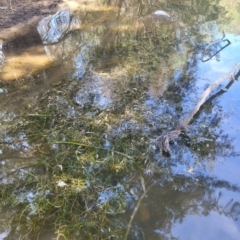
{"x":164,"y":207}
{"x":140,"y":56}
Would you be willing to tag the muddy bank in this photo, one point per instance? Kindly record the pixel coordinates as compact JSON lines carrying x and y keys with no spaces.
{"x":17,"y":12}
{"x":18,"y":22}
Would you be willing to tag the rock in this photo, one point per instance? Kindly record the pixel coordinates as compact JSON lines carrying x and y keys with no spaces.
{"x":161,"y":14}
{"x":52,"y":29}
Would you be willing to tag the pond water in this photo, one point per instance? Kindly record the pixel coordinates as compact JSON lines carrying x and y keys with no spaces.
{"x":142,"y":72}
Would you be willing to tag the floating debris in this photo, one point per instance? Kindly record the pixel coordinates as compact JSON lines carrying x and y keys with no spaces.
{"x":161,"y":14}
{"x":61,"y":183}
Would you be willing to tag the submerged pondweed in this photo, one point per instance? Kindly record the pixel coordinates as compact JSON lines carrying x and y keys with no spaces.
{"x":76,"y":182}
{"x":86,"y":134}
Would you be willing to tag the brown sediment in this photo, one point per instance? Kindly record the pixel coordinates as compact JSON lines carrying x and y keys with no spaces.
{"x":15,"y":12}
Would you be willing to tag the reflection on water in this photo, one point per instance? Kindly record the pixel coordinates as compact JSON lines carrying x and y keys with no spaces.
{"x":19,"y":66}
{"x":129,"y":60}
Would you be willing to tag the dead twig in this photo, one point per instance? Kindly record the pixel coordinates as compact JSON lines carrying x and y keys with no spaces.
{"x":165,"y":139}
{"x":10,"y":1}
{"x":11,"y":7}
{"x":214,"y":43}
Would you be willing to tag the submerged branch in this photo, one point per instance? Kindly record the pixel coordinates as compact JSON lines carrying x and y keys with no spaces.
{"x":165,"y":139}
{"x":214,"y":43}
{"x":136,"y":209}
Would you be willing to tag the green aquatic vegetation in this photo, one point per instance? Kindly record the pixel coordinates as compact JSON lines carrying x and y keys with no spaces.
{"x":76,"y":182}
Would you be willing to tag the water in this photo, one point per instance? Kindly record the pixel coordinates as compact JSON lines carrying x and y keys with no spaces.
{"x":193,"y":193}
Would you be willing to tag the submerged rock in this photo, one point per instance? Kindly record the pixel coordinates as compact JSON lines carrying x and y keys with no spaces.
{"x":156,"y":18}
{"x":64,"y":43}
{"x":95,"y":92}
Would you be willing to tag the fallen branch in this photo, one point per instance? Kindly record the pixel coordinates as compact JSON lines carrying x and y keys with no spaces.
{"x":165,"y":139}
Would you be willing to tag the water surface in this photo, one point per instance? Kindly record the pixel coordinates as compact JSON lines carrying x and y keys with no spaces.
{"x":122,"y":58}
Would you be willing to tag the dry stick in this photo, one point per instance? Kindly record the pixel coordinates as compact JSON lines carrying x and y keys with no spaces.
{"x":213,"y":43}
{"x":11,"y":6}
{"x":165,"y":139}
